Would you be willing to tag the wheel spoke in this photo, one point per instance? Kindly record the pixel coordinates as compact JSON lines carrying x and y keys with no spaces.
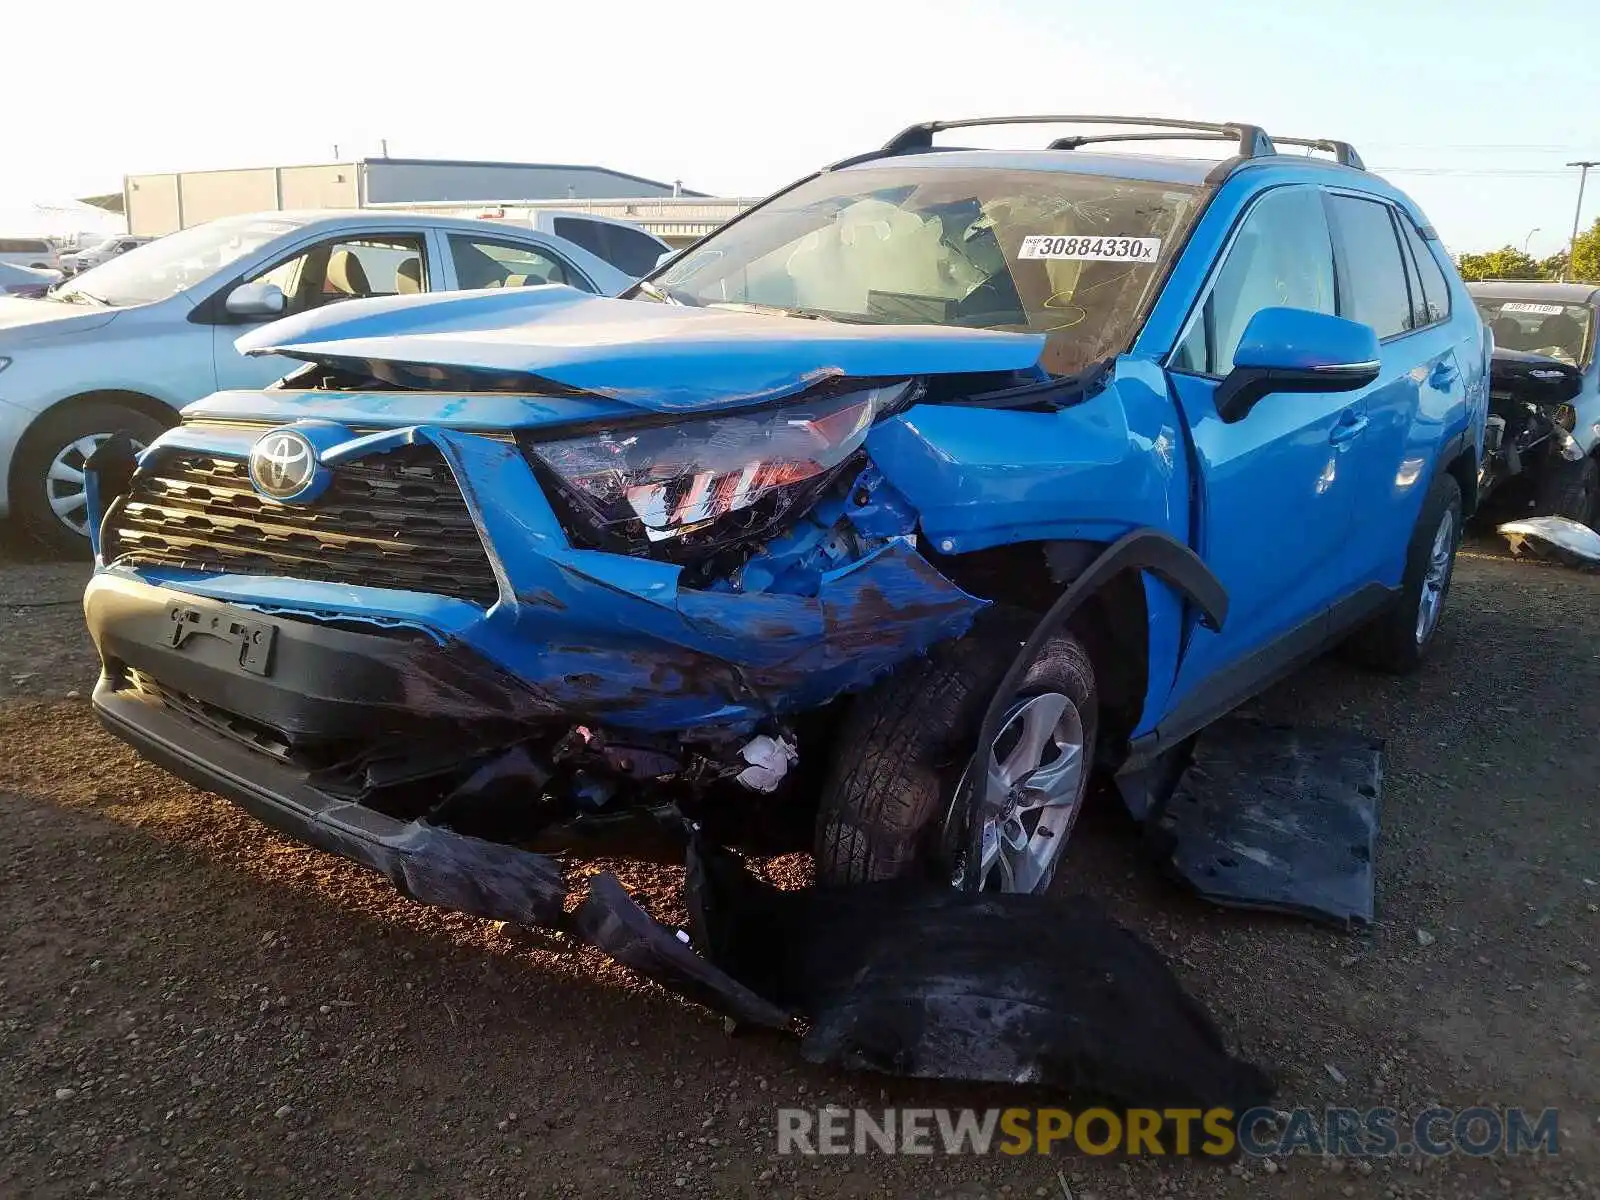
{"x":1055,"y":783}
{"x":62,"y":473}
{"x":69,"y":503}
{"x":1039,"y":717}
{"x":88,"y":445}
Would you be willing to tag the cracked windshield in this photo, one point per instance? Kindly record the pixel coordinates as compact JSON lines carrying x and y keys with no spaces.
{"x":1072,"y":256}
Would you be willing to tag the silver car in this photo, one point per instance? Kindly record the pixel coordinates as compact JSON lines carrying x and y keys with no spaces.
{"x":123,"y":346}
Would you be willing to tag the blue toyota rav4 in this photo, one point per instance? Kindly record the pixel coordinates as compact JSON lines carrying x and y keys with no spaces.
{"x":905,"y":498}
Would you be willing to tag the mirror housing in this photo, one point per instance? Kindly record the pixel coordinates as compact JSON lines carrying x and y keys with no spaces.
{"x":256,"y":301}
{"x":1296,"y":350}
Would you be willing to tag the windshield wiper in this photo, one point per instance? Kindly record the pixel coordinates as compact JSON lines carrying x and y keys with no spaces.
{"x":79,"y":296}
{"x":804,"y":314}
{"x":656,"y":293}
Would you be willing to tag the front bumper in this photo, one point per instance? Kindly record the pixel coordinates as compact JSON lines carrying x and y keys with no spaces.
{"x":426,"y":863}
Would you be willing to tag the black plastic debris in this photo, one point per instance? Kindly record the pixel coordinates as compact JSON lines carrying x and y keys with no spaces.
{"x":609,"y":919}
{"x":1277,"y":818}
{"x":921,"y":980}
{"x":467,"y":874}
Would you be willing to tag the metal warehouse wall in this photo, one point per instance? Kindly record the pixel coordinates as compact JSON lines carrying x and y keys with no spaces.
{"x":152,"y":205}
{"x":399,"y":181}
{"x":207,"y":195}
{"x":163,"y":203}
{"x":329,"y":185}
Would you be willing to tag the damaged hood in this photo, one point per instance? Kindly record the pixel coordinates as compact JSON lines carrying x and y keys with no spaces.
{"x":662,"y":357}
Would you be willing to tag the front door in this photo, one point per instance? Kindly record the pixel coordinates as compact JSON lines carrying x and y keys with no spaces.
{"x":349,"y":267}
{"x":1275,"y":500}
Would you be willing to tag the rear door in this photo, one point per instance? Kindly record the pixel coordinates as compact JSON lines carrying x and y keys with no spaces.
{"x":1388,"y":279}
{"x":1276,"y":500}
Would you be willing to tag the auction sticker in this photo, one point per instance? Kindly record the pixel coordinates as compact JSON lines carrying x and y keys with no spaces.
{"x":1522,"y":306}
{"x":1086,"y":248}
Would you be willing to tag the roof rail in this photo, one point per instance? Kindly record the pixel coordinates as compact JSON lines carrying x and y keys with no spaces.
{"x":1252,"y":141}
{"x":1344,"y":152}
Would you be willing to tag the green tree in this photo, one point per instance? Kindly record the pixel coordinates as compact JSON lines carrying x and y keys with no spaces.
{"x":1555,"y":266}
{"x":1586,"y":255}
{"x":1505,"y":263}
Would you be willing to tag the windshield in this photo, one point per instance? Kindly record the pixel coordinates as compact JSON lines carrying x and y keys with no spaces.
{"x":168,"y":265}
{"x":1073,"y":256}
{"x":1564,"y":331}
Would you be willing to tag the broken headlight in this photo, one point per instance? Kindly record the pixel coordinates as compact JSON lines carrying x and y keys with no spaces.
{"x":704,"y":482}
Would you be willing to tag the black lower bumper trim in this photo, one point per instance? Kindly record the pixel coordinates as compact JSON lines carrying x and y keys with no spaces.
{"x":307,"y":679}
{"x":425,"y":862}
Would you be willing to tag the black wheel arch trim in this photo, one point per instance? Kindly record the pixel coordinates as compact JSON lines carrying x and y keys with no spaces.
{"x":1145,"y":549}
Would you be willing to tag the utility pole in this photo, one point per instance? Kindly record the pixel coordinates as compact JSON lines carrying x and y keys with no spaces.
{"x":1529,"y":238}
{"x":1577,"y":216}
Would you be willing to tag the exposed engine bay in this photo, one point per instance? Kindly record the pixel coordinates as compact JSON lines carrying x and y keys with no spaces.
{"x":1531,"y":416}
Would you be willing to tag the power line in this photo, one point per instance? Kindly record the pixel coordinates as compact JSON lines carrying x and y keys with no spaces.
{"x":1484,"y":172}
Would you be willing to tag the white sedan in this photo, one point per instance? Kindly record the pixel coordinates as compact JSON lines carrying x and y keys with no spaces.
{"x":123,"y":346}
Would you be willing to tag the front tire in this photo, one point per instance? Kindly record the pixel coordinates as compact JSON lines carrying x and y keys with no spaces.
{"x":47,"y":478}
{"x":1400,"y":636}
{"x":886,"y":806}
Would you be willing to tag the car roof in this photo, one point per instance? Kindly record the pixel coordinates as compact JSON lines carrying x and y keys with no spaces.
{"x":1154,"y":168}
{"x":1537,"y":289}
{"x":364,"y":218}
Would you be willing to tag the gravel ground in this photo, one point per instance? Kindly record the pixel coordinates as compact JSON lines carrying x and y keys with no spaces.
{"x":192,"y":1005}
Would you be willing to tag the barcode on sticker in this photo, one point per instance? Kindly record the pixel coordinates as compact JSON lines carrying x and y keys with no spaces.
{"x":1082,"y":248}
{"x":1539,"y":310}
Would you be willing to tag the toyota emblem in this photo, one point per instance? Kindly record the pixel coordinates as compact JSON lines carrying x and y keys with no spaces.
{"x":283,"y":465}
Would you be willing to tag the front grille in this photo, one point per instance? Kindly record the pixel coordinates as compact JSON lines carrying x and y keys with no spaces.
{"x":393,"y":520}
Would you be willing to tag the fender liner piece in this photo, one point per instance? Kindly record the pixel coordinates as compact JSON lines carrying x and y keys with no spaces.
{"x":1145,"y":549}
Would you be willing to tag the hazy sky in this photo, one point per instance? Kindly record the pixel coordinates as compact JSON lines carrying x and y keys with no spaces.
{"x":1473,"y":106}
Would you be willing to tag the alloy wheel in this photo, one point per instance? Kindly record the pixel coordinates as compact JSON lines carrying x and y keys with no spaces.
{"x":1436,"y":578}
{"x":1034,"y":787}
{"x":64,"y":483}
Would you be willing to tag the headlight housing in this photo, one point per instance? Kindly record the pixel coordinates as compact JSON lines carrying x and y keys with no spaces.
{"x":701,"y":483}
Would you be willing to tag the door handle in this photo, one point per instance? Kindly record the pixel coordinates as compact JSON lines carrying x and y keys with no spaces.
{"x":1349,"y":425}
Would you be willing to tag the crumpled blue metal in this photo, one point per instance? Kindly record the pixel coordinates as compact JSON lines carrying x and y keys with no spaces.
{"x":661,"y":357}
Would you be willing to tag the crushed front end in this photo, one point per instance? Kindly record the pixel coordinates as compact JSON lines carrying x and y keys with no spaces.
{"x":378,"y":615}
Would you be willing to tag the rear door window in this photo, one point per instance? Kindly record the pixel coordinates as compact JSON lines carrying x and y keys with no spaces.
{"x":629,"y":250}
{"x":1433,"y":304}
{"x":1372,"y":283}
{"x":481,"y":263}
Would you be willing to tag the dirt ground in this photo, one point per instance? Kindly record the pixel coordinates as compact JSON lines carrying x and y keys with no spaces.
{"x":192,"y":1005}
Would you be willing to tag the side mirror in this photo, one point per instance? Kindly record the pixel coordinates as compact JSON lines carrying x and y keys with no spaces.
{"x":256,"y":301}
{"x":1295,"y":350}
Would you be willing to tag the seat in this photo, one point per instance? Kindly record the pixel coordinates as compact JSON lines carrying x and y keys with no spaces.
{"x":408,"y":276}
{"x":346,"y":275}
{"x":1560,"y":332}
{"x":1507,"y":333}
